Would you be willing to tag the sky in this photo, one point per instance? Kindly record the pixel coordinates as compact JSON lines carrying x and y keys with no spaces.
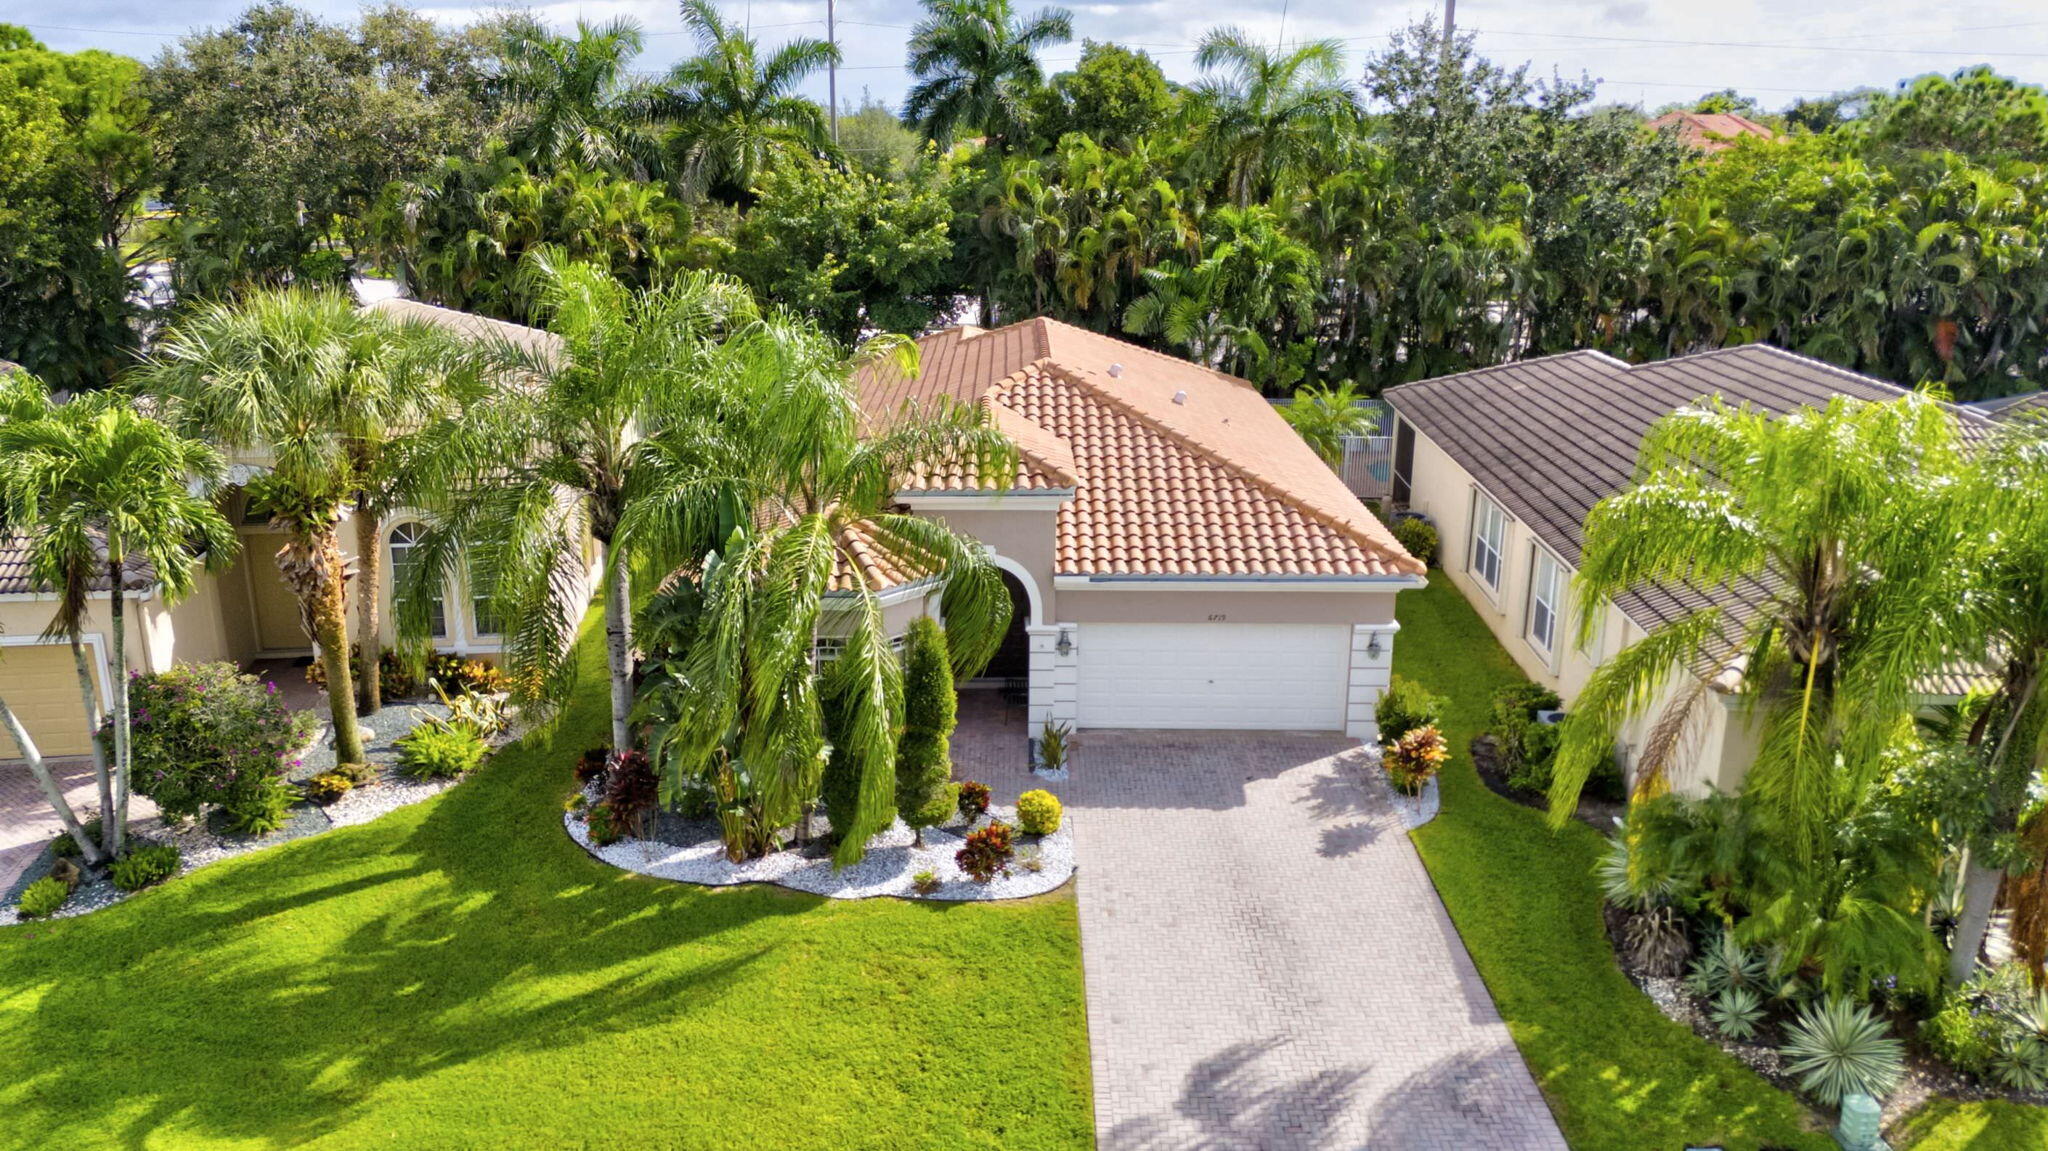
{"x":1648,"y":52}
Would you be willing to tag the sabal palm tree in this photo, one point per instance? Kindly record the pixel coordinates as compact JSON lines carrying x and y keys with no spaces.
{"x":531,"y":470}
{"x":735,"y":111}
{"x":1271,"y":110}
{"x":578,"y":99}
{"x":1860,"y":578}
{"x":792,"y":486}
{"x":976,"y":64}
{"x":319,"y":387}
{"x":104,"y":496}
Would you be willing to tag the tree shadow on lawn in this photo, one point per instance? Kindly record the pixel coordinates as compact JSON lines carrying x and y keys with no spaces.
{"x":268,"y":997}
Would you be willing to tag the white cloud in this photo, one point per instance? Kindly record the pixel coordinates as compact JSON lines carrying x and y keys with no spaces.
{"x":1651,"y":53}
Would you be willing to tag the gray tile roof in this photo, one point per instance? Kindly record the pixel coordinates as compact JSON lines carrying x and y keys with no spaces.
{"x":2033,"y":405}
{"x":14,"y":572}
{"x":1551,"y":437}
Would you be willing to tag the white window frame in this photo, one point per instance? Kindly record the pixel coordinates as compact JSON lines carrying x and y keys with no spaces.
{"x":1545,"y":605}
{"x":394,"y":548}
{"x":1486,"y":515}
{"x":1595,"y":647}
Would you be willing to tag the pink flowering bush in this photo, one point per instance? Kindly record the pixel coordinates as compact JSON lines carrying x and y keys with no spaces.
{"x":206,"y":735}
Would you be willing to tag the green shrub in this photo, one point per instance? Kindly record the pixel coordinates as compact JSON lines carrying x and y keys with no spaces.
{"x":973,"y":799}
{"x":1038,"y":812}
{"x":428,"y":752}
{"x":145,"y":866}
{"x":65,"y":847}
{"x":1528,"y":748}
{"x":462,"y":675}
{"x":259,"y":810}
{"x":940,"y":809}
{"x":1837,"y":1047}
{"x":924,"y":758}
{"x":591,"y":764}
{"x":357,"y":774}
{"x":1962,"y":1036}
{"x":207,"y":734}
{"x":925,"y":882}
{"x":326,"y":787}
{"x":988,"y":852}
{"x":604,"y":830}
{"x":394,"y":679}
{"x":1419,"y":538}
{"x":1405,"y":706}
{"x":43,"y":897}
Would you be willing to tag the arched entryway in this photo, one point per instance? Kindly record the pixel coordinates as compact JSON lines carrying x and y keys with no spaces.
{"x":1012,"y":660}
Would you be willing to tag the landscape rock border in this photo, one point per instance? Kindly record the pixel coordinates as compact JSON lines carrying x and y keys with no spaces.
{"x":886,"y":870}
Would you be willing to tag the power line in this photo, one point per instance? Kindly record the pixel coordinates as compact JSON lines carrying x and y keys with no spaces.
{"x":1780,"y":46}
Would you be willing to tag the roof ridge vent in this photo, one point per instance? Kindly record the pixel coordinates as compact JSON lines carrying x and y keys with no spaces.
{"x":1180,"y":397}
{"x":1116,"y":371}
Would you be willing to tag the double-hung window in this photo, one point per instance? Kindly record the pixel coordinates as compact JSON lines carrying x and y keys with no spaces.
{"x":1544,"y":587}
{"x":1489,"y":533}
{"x":405,"y":540}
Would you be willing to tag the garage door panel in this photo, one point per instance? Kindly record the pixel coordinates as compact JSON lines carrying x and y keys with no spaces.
{"x":1214,"y":676}
{"x":40,"y":683}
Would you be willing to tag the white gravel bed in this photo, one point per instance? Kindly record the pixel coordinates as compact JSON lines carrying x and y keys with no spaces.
{"x":1416,"y":810}
{"x":887,"y":869}
{"x":199,"y":845}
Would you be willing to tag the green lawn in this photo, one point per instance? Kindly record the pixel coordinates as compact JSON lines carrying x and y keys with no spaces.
{"x":459,"y":974}
{"x":1618,"y":1074}
{"x":1946,"y":1125}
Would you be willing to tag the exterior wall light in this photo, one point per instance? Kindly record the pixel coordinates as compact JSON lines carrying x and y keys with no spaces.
{"x":1065,"y":646}
{"x":1373,"y":650}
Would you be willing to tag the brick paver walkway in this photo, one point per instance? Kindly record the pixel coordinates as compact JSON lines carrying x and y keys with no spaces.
{"x":1268,"y":966}
{"x":26,"y":821}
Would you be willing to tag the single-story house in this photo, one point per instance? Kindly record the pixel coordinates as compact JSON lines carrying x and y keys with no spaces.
{"x":1710,"y":131}
{"x":1508,"y":460}
{"x":1176,"y":556}
{"x":243,"y":614}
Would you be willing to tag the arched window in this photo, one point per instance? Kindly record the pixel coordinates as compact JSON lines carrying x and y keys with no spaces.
{"x":405,"y":538}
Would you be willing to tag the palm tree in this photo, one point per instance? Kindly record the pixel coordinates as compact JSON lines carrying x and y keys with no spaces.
{"x":320,"y":388}
{"x":1253,"y":288}
{"x":577,"y":96}
{"x":735,"y":112}
{"x":1860,"y":577}
{"x":976,"y":65}
{"x":1324,"y":416}
{"x":104,"y":497}
{"x":779,"y":471}
{"x":518,"y":483}
{"x":1272,"y":110}
{"x":2009,"y":507}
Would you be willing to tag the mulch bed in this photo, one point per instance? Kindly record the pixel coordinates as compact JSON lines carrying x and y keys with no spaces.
{"x":1598,"y":814}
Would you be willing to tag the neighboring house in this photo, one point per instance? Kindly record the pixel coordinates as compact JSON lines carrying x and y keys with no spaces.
{"x":1710,"y":131}
{"x":1176,"y":556}
{"x":243,"y":614}
{"x":1509,"y":460}
{"x":2031,"y":406}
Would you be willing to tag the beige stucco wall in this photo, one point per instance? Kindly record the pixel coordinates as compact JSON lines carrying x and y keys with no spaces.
{"x":1718,"y":746}
{"x":1163,"y":606}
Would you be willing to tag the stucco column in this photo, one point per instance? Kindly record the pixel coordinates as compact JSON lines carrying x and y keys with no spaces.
{"x":1055,"y":678}
{"x":1371,"y":672}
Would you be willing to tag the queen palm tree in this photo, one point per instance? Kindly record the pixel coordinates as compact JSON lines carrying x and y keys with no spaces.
{"x":516,"y":485}
{"x":322,"y":389}
{"x":792,"y":486}
{"x":976,"y":64}
{"x":2009,"y":507}
{"x":735,"y":111}
{"x":104,"y":497}
{"x":1861,"y":582}
{"x":1270,"y":110}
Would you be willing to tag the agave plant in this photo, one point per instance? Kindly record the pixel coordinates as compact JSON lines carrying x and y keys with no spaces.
{"x":2021,"y":1063}
{"x":1725,"y":965}
{"x":1838,"y":1047}
{"x":1735,"y":1012}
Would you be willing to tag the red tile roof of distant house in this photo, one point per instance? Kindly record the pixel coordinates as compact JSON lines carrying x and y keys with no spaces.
{"x":1711,"y":131}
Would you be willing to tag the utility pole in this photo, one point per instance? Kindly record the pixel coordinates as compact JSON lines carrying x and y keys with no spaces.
{"x":1450,"y":28}
{"x":832,"y":68}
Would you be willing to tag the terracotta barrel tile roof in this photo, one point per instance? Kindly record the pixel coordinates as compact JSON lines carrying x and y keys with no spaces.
{"x":1177,"y":469}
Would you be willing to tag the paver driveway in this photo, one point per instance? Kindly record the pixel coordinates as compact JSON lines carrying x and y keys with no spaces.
{"x":1268,"y":966}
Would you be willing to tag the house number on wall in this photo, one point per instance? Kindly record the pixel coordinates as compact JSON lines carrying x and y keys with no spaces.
{"x":1217,"y":617}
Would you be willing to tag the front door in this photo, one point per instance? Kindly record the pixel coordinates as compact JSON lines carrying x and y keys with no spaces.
{"x":279,"y":624}
{"x":1013,"y":659}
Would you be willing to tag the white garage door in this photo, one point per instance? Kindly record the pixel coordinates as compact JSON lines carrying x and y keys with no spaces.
{"x":1214,"y":675}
